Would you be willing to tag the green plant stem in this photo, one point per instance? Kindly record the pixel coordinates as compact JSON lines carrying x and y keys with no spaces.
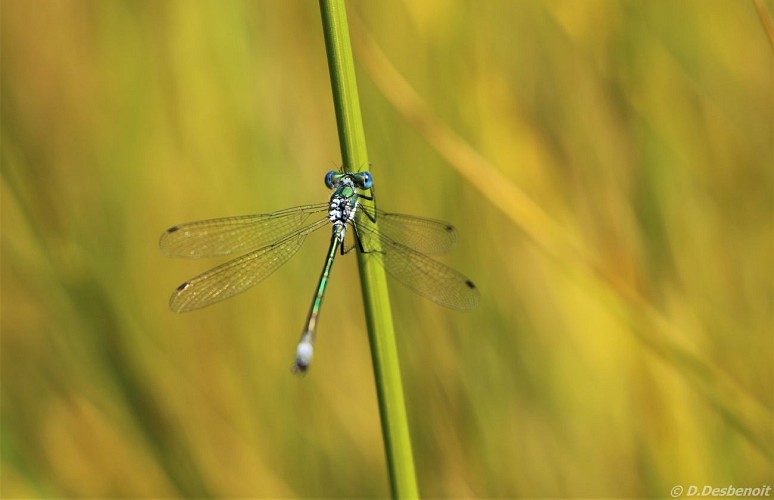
{"x":384,"y":354}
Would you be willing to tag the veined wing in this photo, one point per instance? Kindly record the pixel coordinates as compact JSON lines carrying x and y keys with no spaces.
{"x":228,"y":235}
{"x":418,"y":233}
{"x":427,"y":277}
{"x":237,"y":275}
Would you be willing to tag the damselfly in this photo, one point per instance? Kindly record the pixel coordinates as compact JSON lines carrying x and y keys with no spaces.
{"x":400,"y":244}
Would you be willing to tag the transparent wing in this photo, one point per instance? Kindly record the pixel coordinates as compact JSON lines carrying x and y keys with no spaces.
{"x":228,"y":235}
{"x":238,"y":274}
{"x":427,"y":277}
{"x":418,"y":233}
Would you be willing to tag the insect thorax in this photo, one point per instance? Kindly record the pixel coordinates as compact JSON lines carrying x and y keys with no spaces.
{"x":342,"y":207}
{"x":341,"y":210}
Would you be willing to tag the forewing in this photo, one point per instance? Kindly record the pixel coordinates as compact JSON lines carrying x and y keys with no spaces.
{"x":229,"y":235}
{"x":418,"y":233}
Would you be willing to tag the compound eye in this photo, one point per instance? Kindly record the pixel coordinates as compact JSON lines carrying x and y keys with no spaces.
{"x":329,"y":179}
{"x":365,"y":180}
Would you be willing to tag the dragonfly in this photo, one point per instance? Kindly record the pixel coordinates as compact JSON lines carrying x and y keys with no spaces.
{"x":399,"y":242}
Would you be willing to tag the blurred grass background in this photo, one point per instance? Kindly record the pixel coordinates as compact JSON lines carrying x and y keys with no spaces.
{"x":608,"y":166}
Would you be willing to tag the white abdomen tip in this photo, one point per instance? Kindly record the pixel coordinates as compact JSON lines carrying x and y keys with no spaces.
{"x":304,"y":354}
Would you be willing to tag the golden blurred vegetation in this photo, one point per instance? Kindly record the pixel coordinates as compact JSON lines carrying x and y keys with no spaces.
{"x":609,"y":166}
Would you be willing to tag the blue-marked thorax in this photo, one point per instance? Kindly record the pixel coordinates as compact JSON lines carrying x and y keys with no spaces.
{"x":343,"y":204}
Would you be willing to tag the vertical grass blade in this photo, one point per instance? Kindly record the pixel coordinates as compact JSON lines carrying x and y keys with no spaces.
{"x":397,"y":441}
